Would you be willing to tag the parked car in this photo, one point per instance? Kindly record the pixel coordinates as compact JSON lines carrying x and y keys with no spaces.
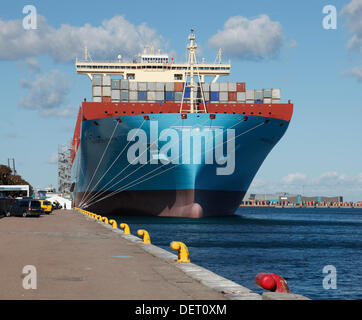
{"x":46,"y":206}
{"x":25,"y":208}
{"x":5,"y":204}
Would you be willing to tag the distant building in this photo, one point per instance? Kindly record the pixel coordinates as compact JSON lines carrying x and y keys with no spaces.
{"x":290,"y":198}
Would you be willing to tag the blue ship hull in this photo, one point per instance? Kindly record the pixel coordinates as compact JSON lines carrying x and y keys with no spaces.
{"x":195,"y":184}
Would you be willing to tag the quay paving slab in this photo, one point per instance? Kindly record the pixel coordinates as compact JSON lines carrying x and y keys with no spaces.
{"x":78,"y":258}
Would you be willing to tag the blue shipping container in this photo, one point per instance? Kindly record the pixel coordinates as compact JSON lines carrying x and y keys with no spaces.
{"x":142,"y":95}
{"x":187,"y":93}
{"x":170,"y":95}
{"x":214,"y":96}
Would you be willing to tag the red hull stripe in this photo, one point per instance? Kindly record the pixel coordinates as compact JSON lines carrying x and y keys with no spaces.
{"x":99,"y":110}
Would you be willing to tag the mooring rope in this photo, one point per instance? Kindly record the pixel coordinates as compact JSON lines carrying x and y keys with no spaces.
{"x":119,"y":155}
{"x":114,"y":184}
{"x":132,"y":184}
{"x":99,"y":162}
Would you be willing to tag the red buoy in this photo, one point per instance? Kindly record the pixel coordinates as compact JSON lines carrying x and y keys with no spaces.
{"x":271,"y":282}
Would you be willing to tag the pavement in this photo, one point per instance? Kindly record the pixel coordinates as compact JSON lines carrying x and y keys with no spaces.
{"x":77,"y":258}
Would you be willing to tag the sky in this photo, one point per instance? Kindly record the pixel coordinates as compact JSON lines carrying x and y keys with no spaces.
{"x":270,"y":44}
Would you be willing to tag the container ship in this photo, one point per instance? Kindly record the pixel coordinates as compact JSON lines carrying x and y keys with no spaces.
{"x":157,"y":139}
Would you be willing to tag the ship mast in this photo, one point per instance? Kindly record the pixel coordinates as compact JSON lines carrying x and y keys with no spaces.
{"x":192,"y":68}
{"x":192,"y":48}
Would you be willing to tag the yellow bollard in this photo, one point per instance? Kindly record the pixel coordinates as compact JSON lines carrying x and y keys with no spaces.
{"x":125,"y":228}
{"x":105,"y":220}
{"x":99,"y":218}
{"x":183,"y":251}
{"x":146,"y":237}
{"x":113,"y":223}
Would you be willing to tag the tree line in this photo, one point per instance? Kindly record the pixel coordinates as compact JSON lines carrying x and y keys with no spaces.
{"x":7,"y":178}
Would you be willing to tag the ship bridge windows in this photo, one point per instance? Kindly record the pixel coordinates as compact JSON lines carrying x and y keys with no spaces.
{"x":155,"y":59}
{"x":178,"y":77}
{"x":131,"y":76}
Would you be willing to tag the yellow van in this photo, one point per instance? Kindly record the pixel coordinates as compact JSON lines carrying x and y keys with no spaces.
{"x":46,"y":206}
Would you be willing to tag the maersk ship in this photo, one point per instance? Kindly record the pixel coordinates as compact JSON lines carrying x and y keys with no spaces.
{"x":160,"y":140}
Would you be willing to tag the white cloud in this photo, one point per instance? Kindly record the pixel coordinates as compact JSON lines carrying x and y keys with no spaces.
{"x":32,"y":64}
{"x":293,"y":178}
{"x":329,"y":183}
{"x":53,"y":159}
{"x":47,"y":94}
{"x":114,"y":36}
{"x":355,"y":72}
{"x":353,"y":12}
{"x":254,"y":39}
{"x":333,"y":178}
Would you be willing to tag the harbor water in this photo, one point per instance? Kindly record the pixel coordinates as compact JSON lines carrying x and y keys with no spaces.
{"x":294,"y":243}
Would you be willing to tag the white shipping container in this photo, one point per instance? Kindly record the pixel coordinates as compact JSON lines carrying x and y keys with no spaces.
{"x":97,"y":91}
{"x":241,"y":96}
{"x":249,"y":101}
{"x":258,"y":95}
{"x":206,"y":96}
{"x":232,"y":86}
{"x":160,"y":95}
{"x":106,"y":81}
{"x":160,"y":86}
{"x":97,"y":99}
{"x":267,"y":93}
{"x":124,"y":95}
{"x":133,"y":95}
{"x":106,"y":91}
{"x":124,"y":84}
{"x":206,"y":86}
{"x":178,"y":95}
{"x":267,"y":100}
{"x":151,"y":86}
{"x":151,"y":96}
{"x":116,"y":100}
{"x":250,"y":95}
{"x":276,"y":93}
{"x":142,"y":86}
{"x":214,"y":86}
{"x":97,"y":80}
{"x":116,"y":94}
{"x":223,"y":86}
{"x":223,"y":96}
{"x":169,"y":86}
{"x":132,"y":85}
{"x":275,"y":100}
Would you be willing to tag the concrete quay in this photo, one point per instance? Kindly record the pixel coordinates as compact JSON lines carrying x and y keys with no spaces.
{"x":76,"y":257}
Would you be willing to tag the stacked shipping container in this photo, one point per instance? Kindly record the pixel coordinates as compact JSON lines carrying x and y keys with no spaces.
{"x":106,"y":89}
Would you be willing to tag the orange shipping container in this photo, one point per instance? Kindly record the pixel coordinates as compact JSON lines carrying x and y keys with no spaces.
{"x":106,"y":99}
{"x":179,"y":86}
{"x":240,"y":87}
{"x":232,"y":96}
